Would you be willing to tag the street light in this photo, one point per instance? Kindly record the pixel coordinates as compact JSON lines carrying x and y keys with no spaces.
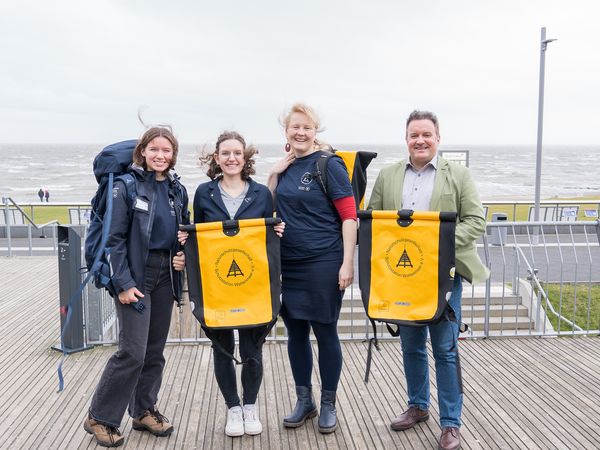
{"x":538,"y":160}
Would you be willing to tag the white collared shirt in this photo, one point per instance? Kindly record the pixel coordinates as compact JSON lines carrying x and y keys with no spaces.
{"x":418,"y":186}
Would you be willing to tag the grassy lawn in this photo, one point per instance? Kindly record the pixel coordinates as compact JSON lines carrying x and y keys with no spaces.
{"x":588,"y":297}
{"x":45,"y":213}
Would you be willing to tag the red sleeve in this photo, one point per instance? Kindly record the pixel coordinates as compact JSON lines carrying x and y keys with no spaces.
{"x":346,"y":207}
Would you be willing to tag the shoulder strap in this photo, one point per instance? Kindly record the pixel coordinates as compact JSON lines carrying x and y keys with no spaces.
{"x":130,"y":185}
{"x":321,"y":170}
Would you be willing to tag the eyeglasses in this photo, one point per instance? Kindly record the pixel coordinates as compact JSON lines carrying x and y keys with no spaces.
{"x":227,"y":155}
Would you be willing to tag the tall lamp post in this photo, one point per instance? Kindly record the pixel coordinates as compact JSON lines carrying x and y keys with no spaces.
{"x":538,"y":159}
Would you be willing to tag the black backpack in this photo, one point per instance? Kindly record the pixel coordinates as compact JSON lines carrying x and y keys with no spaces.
{"x":357,"y":173}
{"x":110,"y":165}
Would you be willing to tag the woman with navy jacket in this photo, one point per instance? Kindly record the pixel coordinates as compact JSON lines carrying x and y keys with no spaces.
{"x":317,"y":261}
{"x":232,"y":194}
{"x":146,"y":265}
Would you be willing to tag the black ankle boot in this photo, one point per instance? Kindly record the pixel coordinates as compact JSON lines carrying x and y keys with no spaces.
{"x":328,"y":416}
{"x":305,"y":408}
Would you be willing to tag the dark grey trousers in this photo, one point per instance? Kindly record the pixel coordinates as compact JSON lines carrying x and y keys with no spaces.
{"x":133,"y":374}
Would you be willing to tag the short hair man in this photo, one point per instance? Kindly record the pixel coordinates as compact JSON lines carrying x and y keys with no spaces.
{"x":426,"y":182}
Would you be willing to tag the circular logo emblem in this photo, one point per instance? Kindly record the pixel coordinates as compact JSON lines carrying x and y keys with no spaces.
{"x":404,"y":257}
{"x":306,"y":178}
{"x":234,"y":267}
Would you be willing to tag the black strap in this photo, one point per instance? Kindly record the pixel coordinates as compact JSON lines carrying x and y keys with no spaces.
{"x":259,"y":342}
{"x":375,"y":342}
{"x":218,"y":346}
{"x":393,"y":332}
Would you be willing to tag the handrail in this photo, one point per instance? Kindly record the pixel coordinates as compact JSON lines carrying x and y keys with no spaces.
{"x":532,"y":272}
{"x":6,"y":200}
{"x":37,"y":227}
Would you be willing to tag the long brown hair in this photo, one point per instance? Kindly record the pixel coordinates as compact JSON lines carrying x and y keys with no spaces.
{"x":147,"y":137}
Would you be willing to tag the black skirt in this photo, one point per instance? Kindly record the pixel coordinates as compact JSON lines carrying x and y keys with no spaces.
{"x":310,"y":290}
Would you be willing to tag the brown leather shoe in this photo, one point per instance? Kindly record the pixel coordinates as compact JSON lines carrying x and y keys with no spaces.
{"x":450,"y":439}
{"x":409,"y":418}
{"x":154,"y":422}
{"x":105,"y":435}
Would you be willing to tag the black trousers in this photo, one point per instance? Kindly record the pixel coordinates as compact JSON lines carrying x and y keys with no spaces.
{"x":133,"y":375}
{"x":252,"y":370}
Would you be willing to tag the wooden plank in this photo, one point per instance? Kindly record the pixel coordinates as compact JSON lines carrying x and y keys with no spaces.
{"x":519,"y":392}
{"x":559,"y":404}
{"x":504,"y":426}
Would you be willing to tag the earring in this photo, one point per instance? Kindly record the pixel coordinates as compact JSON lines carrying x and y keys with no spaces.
{"x":288,"y":147}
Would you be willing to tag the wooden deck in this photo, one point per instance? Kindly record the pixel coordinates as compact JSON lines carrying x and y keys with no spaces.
{"x":519,"y":393}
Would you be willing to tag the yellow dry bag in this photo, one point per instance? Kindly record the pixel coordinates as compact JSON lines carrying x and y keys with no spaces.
{"x":406,"y":267}
{"x":234,"y":273}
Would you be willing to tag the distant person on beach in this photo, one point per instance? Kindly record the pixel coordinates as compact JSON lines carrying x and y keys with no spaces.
{"x":317,"y":261}
{"x":41,"y":194}
{"x":233,"y":195}
{"x":142,"y":256}
{"x":430,"y":183}
{"x":47,"y":195}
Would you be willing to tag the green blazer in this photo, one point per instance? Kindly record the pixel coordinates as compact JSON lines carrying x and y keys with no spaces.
{"x":453,"y":191}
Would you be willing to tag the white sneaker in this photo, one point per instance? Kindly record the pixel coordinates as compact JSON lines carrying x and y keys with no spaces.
{"x":252,"y":425}
{"x":235,"y":422}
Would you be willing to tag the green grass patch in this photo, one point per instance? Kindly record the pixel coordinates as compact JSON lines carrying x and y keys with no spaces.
{"x":579,"y":303}
{"x":44,"y":214}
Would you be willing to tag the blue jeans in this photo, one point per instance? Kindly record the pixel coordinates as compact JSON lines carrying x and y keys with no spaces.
{"x":444,"y":342}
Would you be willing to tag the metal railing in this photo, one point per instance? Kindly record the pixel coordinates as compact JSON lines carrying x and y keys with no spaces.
{"x":535,"y":289}
{"x":550,"y":210}
{"x":545,"y":279}
{"x":9,"y":217}
{"x":549,"y":275}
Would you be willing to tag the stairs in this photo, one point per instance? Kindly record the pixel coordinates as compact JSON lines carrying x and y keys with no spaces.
{"x":507,"y":313}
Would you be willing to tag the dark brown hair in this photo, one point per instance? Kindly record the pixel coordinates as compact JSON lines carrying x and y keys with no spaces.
{"x":215,"y":171}
{"x":423,"y":115}
{"x":147,"y":137}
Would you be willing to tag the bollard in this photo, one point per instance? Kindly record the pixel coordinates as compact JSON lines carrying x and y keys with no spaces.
{"x":69,"y":280}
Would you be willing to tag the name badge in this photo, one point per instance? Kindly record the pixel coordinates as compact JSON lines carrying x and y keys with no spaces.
{"x":140,"y":204}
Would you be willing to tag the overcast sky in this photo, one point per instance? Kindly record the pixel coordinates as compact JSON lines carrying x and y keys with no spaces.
{"x":77,"y":71}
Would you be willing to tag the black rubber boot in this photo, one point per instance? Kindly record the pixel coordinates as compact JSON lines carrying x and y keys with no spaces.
{"x":305,"y":408}
{"x":328,"y":416}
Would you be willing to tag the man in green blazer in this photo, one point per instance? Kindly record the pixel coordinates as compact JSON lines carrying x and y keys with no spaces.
{"x":428,"y":182}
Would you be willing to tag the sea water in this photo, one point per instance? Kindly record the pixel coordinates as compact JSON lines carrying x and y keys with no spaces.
{"x":500,"y":172}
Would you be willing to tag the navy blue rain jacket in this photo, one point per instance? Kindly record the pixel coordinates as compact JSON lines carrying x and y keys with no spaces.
{"x":209,"y":206}
{"x":131,"y":228}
